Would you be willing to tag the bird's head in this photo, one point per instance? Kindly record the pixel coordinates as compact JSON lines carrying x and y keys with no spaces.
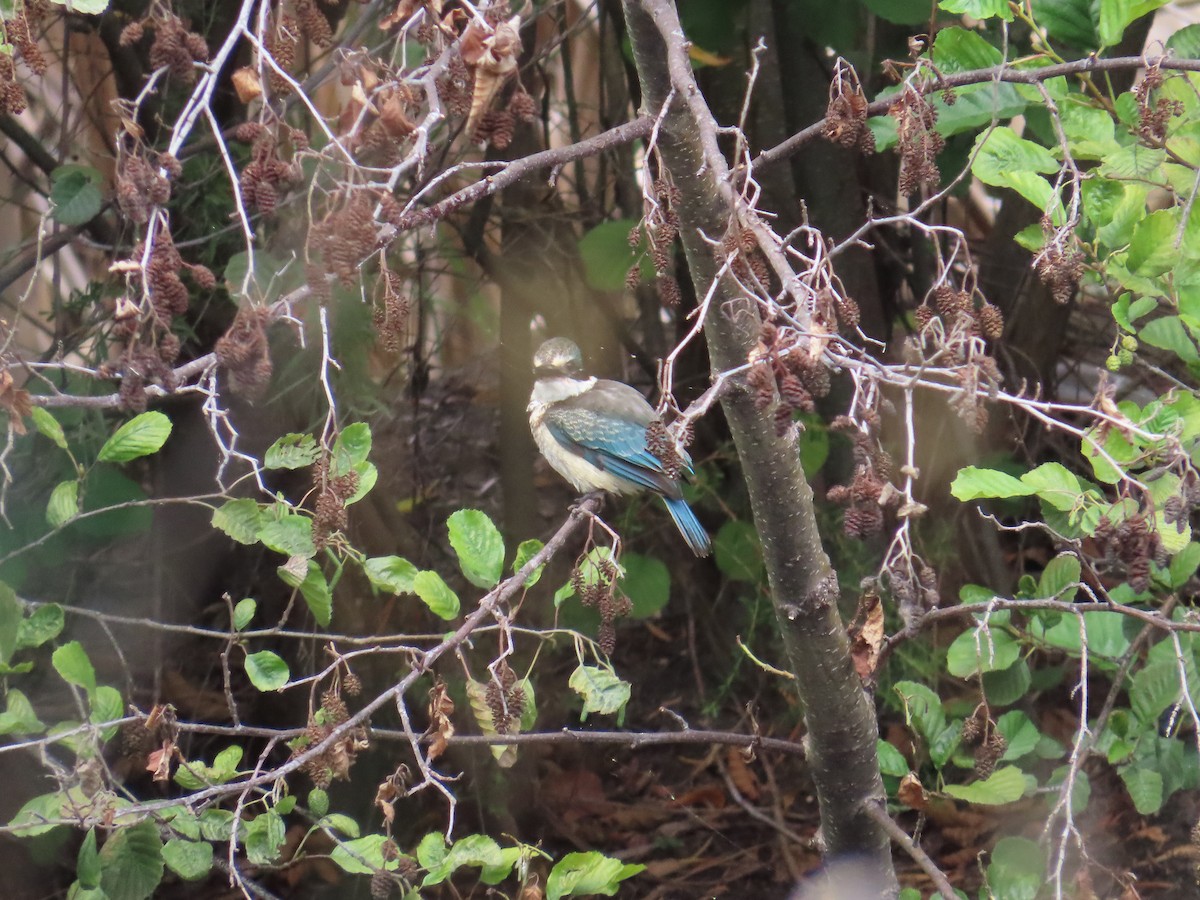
{"x":557,"y":357}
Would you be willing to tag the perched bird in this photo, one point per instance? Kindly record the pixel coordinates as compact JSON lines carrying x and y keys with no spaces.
{"x":593,"y":432}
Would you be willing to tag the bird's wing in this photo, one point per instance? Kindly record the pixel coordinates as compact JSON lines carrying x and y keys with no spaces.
{"x":607,"y":426}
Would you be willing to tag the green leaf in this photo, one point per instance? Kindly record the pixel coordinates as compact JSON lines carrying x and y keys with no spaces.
{"x":1005,"y":785}
{"x":71,"y":662}
{"x":391,"y":574}
{"x":106,"y":706}
{"x":1184,"y":565}
{"x":340,"y":823}
{"x":436,"y":594}
{"x":981,"y":650}
{"x":11,"y":617}
{"x":48,"y":426}
{"x":607,"y":256}
{"x":1168,"y":333}
{"x":1055,"y":484}
{"x":31,"y":818}
{"x":973,"y":483}
{"x":960,"y":50}
{"x":314,"y":589}
{"x":922,"y":709}
{"x":1154,"y":689}
{"x":64,"y":503}
{"x":140,"y":436}
{"x":479,"y":546}
{"x":527,"y":550}
{"x":891,"y":760}
{"x":190,"y":860}
{"x":318,"y":802}
{"x":1145,"y":788}
{"x":131,"y":862}
{"x":1017,"y":869}
{"x":243,"y":612}
{"x":75,"y":193}
{"x":19,"y":717}
{"x":364,"y":855}
{"x":1001,"y":153}
{"x":1152,"y":251}
{"x":581,"y":874}
{"x":979,"y":9}
{"x":1007,"y":686}
{"x":1067,"y":21}
{"x":84,"y":7}
{"x":267,"y":671}
{"x":602,"y":691}
{"x":476,"y":850}
{"x":217,"y":824}
{"x":1117,"y":15}
{"x":290,"y":535}
{"x":899,"y":12}
{"x":1019,"y":732}
{"x":1105,"y":634}
{"x":647,"y":583}
{"x":1185,"y":43}
{"x":350,"y":449}
{"x":292,"y":451}
{"x":87,"y":865}
{"x":240,"y":519}
{"x":738,"y":553}
{"x":1060,"y":578}
{"x":264,"y":836}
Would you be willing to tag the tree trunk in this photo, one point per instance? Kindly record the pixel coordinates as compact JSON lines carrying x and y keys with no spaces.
{"x":840,"y":719}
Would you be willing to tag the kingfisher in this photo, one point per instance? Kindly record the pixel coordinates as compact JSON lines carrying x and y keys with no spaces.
{"x":598,"y":435}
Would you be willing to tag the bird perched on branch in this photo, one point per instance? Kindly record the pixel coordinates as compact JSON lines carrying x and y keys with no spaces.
{"x":603,"y":435}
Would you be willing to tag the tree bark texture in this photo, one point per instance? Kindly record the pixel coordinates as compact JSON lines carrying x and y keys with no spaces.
{"x":840,"y":718}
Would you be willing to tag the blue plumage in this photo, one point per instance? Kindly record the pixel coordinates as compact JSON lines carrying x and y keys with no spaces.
{"x":593,"y":433}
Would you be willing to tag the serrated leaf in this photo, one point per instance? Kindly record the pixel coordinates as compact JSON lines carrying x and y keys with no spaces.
{"x":602,"y":691}
{"x":19,"y":718}
{"x":240,"y":519}
{"x":607,"y":256}
{"x":364,"y":855}
{"x":350,"y":449}
{"x":1060,"y":578}
{"x":87,"y":865}
{"x":243,"y":612}
{"x":436,"y":594}
{"x":979,"y":9}
{"x":290,"y":535}
{"x":527,"y":550}
{"x":71,"y":662}
{"x":341,"y":823}
{"x":190,"y":860}
{"x":391,"y":574}
{"x":1005,"y":785}
{"x":738,"y":553}
{"x":973,"y":483}
{"x":63,"y":505}
{"x":582,"y":874}
{"x":981,"y":650}
{"x":647,"y":583}
{"x":504,"y":754}
{"x":313,"y":588}
{"x":140,"y":436}
{"x":131,"y":862}
{"x":891,"y":760}
{"x":75,"y":193}
{"x":292,"y":451}
{"x":265,"y":834}
{"x":11,"y":616}
{"x":267,"y":671}
{"x":318,"y":802}
{"x":480,"y":548}
{"x":48,"y":426}
{"x":1145,"y":788}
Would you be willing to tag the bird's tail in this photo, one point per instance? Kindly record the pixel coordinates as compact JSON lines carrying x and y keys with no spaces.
{"x":689,"y":526}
